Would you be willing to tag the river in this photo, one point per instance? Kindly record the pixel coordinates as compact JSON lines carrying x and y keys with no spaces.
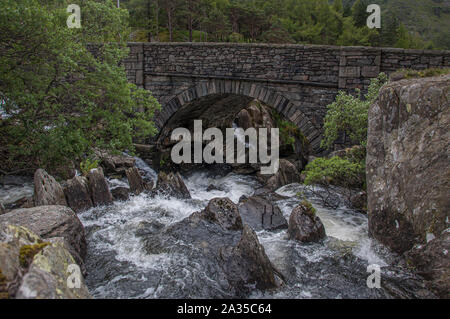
{"x":119,"y":266}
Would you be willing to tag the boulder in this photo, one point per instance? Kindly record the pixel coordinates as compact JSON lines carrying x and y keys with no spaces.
{"x":115,"y":164}
{"x":99,"y":189}
{"x":287,"y":174}
{"x":260,"y":214}
{"x":223,"y":212}
{"x":47,"y":191}
{"x":121,"y":193}
{"x":407,"y":162}
{"x":219,"y":247}
{"x":172,"y":185}
{"x":135,"y":181}
{"x":432,"y":262}
{"x":247,"y":264}
{"x":48,"y":273}
{"x":49,"y":222}
{"x":213,"y":188}
{"x":358,"y":202}
{"x":304,"y":225}
{"x":33,"y":268}
{"x":78,"y":194}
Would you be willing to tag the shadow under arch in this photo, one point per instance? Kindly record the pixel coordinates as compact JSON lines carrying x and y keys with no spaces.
{"x":217,"y":101}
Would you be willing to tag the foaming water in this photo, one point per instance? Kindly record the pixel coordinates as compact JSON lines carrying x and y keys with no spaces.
{"x":121,"y":266}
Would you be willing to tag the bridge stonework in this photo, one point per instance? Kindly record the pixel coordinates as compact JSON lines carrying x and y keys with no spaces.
{"x":299,"y":81}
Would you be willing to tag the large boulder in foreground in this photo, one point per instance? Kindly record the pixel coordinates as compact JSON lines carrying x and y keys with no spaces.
{"x":220,"y":249}
{"x":47,"y":191}
{"x":50,"y":222}
{"x":260,"y":214}
{"x":172,"y":185}
{"x":247,"y":263}
{"x":78,"y":194}
{"x":33,"y":268}
{"x":407,"y":162}
{"x":408,"y":175}
{"x":304,"y":225}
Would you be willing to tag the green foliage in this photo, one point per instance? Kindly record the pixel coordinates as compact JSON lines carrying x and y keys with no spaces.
{"x":410,"y":74}
{"x":87,"y":165}
{"x":61,"y":99}
{"x":335,"y":171}
{"x":289,"y":132}
{"x":329,"y":22}
{"x":348,"y":114}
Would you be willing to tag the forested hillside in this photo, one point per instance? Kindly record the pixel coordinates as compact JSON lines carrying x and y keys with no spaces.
{"x":405,"y":23}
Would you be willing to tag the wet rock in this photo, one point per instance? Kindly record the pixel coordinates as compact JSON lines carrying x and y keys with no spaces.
{"x":137,"y":184}
{"x":172,"y":185}
{"x":148,"y":228}
{"x":259,"y":213}
{"x":359,"y":202}
{"x":223,"y":212}
{"x":49,"y":222}
{"x":99,"y":189}
{"x":2,"y":209}
{"x":407,"y":162}
{"x":115,"y":164}
{"x":121,"y":193}
{"x":219,"y":248}
{"x":212,"y":188}
{"x":304,"y":225}
{"x":78,"y":194}
{"x":47,"y":191}
{"x":247,"y":264}
{"x":33,"y":268}
{"x":287,"y":174}
{"x":432,"y":262}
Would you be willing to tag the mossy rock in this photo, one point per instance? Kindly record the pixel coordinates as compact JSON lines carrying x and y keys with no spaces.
{"x":27,"y":253}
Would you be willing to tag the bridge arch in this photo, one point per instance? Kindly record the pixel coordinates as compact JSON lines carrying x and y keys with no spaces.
{"x":183,"y":101}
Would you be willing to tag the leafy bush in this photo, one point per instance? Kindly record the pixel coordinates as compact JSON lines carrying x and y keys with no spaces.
{"x":59,"y":98}
{"x":288,"y":131}
{"x":348,"y":114}
{"x":87,"y":165}
{"x":335,"y":171}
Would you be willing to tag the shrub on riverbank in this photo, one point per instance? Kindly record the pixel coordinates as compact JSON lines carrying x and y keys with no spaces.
{"x":59,"y":100}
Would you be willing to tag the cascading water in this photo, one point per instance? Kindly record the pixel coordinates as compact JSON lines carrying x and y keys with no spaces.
{"x":119,"y":266}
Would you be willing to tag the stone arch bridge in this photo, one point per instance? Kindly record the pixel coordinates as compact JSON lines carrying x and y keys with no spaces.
{"x":216,"y":80}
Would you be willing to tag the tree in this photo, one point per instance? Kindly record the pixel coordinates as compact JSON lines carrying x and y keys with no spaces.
{"x":170,"y":7}
{"x":338,"y":6}
{"x":349,"y":114}
{"x":359,"y":13}
{"x":61,"y":96}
